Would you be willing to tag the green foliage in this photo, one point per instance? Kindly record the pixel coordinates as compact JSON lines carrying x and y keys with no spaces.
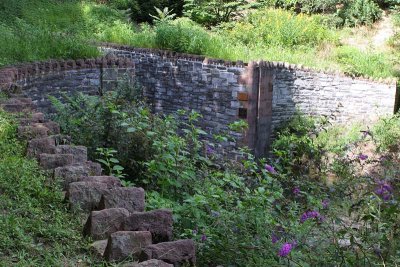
{"x":214,"y":12}
{"x":358,"y":63}
{"x":387,"y":133}
{"x":36,"y":229}
{"x":241,"y":212}
{"x":182,"y":36}
{"x":108,"y":160}
{"x":163,"y":16}
{"x":360,"y":12}
{"x":279,"y":28}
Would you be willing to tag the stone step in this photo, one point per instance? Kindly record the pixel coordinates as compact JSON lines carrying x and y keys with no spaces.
{"x":16,"y":105}
{"x":41,"y":145}
{"x":98,"y":247}
{"x":129,"y":198}
{"x":111,"y":181}
{"x":31,"y":118}
{"x":52,"y":161}
{"x":101,"y":224}
{"x":178,"y":252}
{"x":76,"y":172}
{"x":158,"y":222}
{"x":149,"y":263}
{"x":38,"y":130}
{"x":79,"y":152}
{"x":124,"y":244}
{"x":85,"y":196}
{"x":31,"y":132}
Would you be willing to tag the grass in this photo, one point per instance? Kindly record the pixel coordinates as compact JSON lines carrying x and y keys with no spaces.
{"x":43,"y":29}
{"x":36,"y":229}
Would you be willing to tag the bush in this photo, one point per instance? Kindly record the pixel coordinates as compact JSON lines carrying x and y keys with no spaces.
{"x":360,"y":12}
{"x":279,"y":28}
{"x":182,"y":36}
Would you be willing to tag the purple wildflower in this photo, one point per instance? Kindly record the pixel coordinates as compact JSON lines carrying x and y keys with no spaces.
{"x":285,"y":250}
{"x":384,"y":190}
{"x":362,"y":156}
{"x":210,"y":150}
{"x":203,"y":238}
{"x":275,"y":238}
{"x":311,"y":214}
{"x":325,"y":203}
{"x":194,"y":231}
{"x":296,"y":190}
{"x":270,"y":169}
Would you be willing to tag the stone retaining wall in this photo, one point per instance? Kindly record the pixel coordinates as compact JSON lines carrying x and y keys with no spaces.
{"x":266,"y":94}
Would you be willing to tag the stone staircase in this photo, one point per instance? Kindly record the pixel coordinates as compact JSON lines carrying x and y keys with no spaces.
{"x":116,"y":220}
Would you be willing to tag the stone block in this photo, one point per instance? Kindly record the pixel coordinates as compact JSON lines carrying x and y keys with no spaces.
{"x":70,"y":174}
{"x":52,"y":161}
{"x":38,"y":146}
{"x":99,"y":247}
{"x":31,"y":132}
{"x":111,"y":181}
{"x":85,"y":195}
{"x":79,"y":152}
{"x":125,"y":244}
{"x":177,"y":253}
{"x":158,"y":222}
{"x":130,"y":198}
{"x":101,"y":224}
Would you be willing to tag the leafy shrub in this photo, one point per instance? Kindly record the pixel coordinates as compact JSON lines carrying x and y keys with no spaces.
{"x":211,"y":13}
{"x":279,"y":28}
{"x":182,"y":36}
{"x":360,"y":12}
{"x":387,"y":133}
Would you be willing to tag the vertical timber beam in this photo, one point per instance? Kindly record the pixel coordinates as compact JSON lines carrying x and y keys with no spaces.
{"x":264,"y":112}
{"x":251,"y":81}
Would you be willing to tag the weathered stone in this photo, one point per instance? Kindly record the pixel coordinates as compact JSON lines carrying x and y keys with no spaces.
{"x":98,"y":247}
{"x":124,"y":244}
{"x":29,"y":119}
{"x":54,"y":128}
{"x":149,"y":263}
{"x":111,"y":181}
{"x":94,"y":168}
{"x":79,"y":152}
{"x":38,"y":146}
{"x":70,"y":174}
{"x":158,"y":222}
{"x":101,"y":224}
{"x":176,"y":252}
{"x":52,"y":161}
{"x":85,"y":195}
{"x":130,"y":198}
{"x":31,"y":132}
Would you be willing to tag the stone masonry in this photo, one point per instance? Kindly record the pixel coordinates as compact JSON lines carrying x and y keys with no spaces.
{"x":265,"y":94}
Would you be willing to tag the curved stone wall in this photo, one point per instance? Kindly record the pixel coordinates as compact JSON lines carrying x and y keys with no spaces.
{"x":264,"y":93}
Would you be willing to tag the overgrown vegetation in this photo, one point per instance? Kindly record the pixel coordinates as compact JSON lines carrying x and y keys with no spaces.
{"x":327,"y":196}
{"x":233,"y":30}
{"x":36,"y":229}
